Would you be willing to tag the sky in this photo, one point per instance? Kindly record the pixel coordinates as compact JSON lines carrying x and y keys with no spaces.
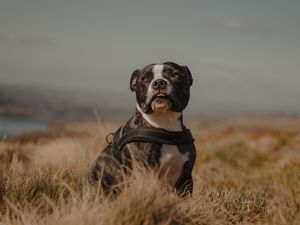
{"x":244,"y":55}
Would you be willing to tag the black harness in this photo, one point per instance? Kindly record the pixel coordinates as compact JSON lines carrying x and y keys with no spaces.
{"x":125,"y":135}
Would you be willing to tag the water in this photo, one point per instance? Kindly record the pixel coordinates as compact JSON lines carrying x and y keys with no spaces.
{"x":11,"y":126}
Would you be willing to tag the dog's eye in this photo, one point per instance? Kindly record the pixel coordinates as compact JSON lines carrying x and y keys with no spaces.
{"x":143,"y":78}
{"x":175,"y":75}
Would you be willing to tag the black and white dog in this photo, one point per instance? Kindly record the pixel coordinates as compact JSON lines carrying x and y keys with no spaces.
{"x":155,"y":135}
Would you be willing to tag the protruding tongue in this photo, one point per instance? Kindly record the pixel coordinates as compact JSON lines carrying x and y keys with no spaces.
{"x":160,"y":95}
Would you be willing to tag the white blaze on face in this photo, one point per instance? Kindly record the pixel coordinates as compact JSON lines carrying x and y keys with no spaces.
{"x":157,"y":71}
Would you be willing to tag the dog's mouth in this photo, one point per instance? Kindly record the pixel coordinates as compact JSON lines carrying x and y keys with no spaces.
{"x":161,"y":96}
{"x":161,"y":102}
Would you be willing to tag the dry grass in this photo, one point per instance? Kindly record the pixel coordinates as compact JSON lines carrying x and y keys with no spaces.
{"x":244,"y":174}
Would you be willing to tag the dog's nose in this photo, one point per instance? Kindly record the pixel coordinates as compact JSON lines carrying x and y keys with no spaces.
{"x":159,"y":84}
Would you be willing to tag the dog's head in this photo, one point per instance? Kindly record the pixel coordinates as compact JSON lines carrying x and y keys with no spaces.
{"x":162,"y":87}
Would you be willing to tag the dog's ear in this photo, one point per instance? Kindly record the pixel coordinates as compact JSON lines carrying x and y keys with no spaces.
{"x":189,"y":75}
{"x":133,"y":80}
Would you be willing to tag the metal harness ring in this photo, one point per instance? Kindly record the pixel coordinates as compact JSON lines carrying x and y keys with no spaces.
{"x":107,"y":137}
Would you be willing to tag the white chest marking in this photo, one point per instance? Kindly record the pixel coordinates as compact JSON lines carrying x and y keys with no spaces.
{"x":168,"y":121}
{"x":171,"y":164}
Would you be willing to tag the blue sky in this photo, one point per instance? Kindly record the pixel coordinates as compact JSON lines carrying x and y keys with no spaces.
{"x":244,"y":55}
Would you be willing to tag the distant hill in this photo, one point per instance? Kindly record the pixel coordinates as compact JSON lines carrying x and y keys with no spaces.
{"x":55,"y":104}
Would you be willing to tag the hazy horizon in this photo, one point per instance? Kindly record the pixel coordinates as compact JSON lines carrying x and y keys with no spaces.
{"x":244,"y":56}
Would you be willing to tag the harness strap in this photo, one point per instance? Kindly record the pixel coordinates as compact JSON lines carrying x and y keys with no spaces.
{"x":153,"y":135}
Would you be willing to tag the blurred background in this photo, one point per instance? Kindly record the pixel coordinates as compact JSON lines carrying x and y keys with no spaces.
{"x":71,"y":60}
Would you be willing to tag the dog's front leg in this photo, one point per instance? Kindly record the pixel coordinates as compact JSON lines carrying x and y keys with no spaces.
{"x":184,"y":185}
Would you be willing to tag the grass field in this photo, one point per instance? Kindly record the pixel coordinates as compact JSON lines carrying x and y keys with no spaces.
{"x":247,"y":172}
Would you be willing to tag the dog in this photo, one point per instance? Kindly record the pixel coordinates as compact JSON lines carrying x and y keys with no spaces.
{"x":155,"y":135}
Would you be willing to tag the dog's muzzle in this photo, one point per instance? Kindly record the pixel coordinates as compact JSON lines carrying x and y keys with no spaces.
{"x":159,"y":84}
